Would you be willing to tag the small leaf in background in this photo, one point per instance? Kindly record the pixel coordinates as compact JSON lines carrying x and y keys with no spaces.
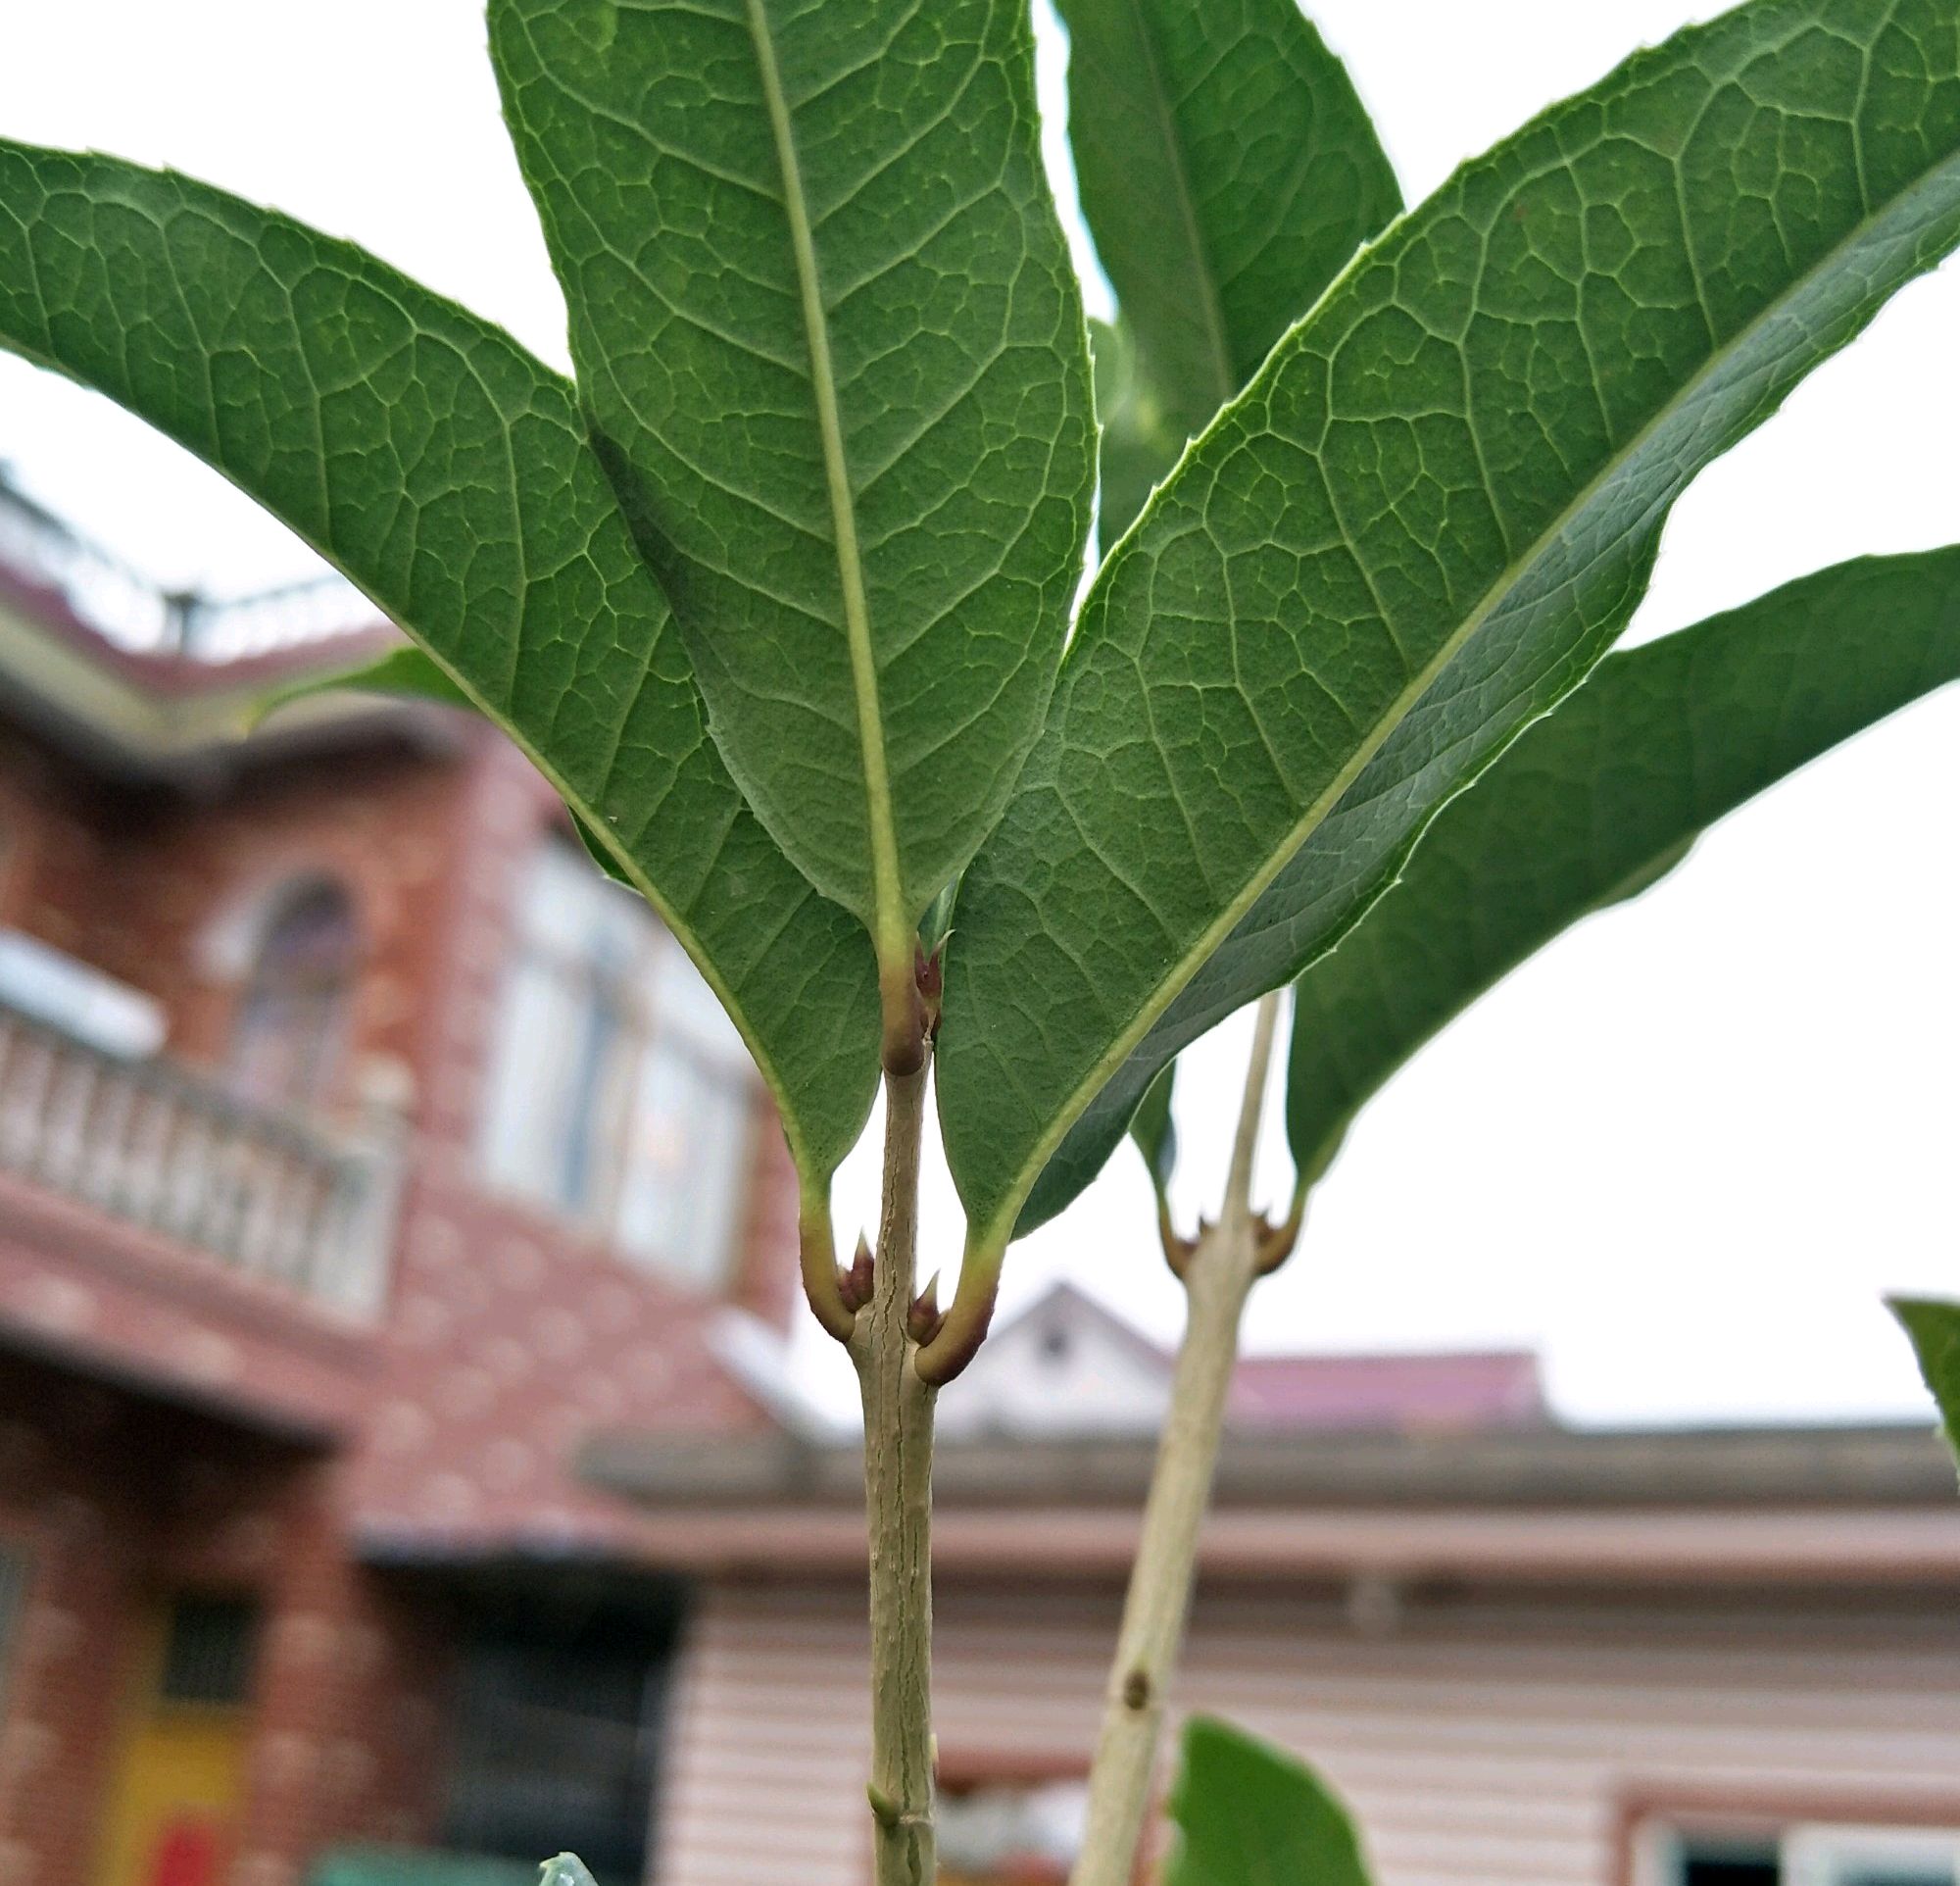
{"x":1604,"y":797}
{"x":446,"y":473}
{"x":1139,"y":442}
{"x":1431,"y":512}
{"x":1250,"y":1814}
{"x":1935,"y":1330}
{"x":409,"y":673}
{"x":567,"y":1870}
{"x":828,"y":335}
{"x":1227,"y":170}
{"x":1155,"y":1132}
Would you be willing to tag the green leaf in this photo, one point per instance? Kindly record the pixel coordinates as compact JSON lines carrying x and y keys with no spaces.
{"x":1597,"y":802}
{"x":1227,"y":170}
{"x":567,"y":1870}
{"x":1935,"y":1330}
{"x":1139,"y":443}
{"x":1155,"y":1132}
{"x":1248,"y":1814}
{"x":411,"y":673}
{"x":1433,"y":510}
{"x":446,"y":473}
{"x":834,"y":353}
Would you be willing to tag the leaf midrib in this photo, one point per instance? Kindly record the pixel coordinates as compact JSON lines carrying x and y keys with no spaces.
{"x":1207,"y":287}
{"x":890,"y":929}
{"x":988,"y":1238}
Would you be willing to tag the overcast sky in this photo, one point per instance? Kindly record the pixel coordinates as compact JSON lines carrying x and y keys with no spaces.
{"x":1683,"y":1152}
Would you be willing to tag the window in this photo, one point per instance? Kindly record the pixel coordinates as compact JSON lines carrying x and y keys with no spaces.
{"x":292,"y":1017}
{"x":208,"y":1651}
{"x":1009,"y":1830}
{"x":1728,"y":1864}
{"x":619,"y":1092}
{"x":1813,"y":1856}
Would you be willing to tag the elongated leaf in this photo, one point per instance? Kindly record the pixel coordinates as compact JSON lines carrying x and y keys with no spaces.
{"x":412,"y":674}
{"x":1935,"y":1330}
{"x":1249,"y":1814}
{"x":826,"y":327}
{"x":1432,"y":511}
{"x":1228,"y":172}
{"x":1155,"y":1132}
{"x":445,"y":472}
{"x":1603,"y":798}
{"x":1139,"y":440}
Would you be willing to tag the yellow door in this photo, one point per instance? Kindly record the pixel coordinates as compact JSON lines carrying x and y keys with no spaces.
{"x":179,"y":1778}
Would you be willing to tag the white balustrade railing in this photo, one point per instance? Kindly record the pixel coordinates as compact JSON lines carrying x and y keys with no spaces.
{"x":132,"y":613}
{"x":157,"y":1146}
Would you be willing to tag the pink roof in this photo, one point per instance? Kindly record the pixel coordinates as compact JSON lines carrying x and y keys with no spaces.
{"x":1407,"y":1394}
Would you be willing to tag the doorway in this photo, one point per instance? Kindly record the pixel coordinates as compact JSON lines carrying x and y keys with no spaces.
{"x":178,"y":1783}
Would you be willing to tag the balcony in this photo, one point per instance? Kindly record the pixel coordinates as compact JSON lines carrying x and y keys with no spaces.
{"x":132,"y":613}
{"x":173,"y":1155}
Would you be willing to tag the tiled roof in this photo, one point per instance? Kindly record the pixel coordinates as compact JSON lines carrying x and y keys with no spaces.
{"x":1407,"y":1394}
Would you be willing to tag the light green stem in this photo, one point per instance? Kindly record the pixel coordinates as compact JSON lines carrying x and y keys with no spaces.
{"x":1217,"y":1277}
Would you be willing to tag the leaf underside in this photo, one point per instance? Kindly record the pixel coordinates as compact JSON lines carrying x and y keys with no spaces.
{"x":1433,"y":510}
{"x":1601,"y":799}
{"x":1248,"y":1814}
{"x":833,"y":351}
{"x":1227,"y":170}
{"x":446,"y":473}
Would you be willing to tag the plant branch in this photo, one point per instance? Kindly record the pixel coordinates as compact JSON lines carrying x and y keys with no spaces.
{"x":1217,"y":1277}
{"x":897,"y":1498}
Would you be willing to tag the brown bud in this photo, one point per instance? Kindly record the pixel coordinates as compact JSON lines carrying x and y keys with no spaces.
{"x":855,"y":1284}
{"x":923,"y":1318}
{"x":931,"y":980}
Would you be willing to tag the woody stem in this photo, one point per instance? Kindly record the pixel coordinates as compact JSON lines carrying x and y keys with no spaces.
{"x":1217,"y":1277}
{"x":898,"y":1495}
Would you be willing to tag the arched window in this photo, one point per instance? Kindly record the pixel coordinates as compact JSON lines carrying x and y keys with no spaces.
{"x":292,"y":1014}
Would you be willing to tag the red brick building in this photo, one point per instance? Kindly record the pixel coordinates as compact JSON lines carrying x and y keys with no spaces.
{"x":342,"y":1107}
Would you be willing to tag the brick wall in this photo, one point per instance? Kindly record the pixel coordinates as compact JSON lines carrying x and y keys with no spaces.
{"x":164,"y":891}
{"x":507,"y":1336}
{"x":117,"y":1499}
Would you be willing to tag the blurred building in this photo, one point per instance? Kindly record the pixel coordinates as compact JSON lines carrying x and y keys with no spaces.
{"x":1524,"y":1655}
{"x":399,"y":1478}
{"x":360,"y":1151}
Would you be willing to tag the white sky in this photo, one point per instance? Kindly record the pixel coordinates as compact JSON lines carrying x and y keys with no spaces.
{"x":1685,"y":1150}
